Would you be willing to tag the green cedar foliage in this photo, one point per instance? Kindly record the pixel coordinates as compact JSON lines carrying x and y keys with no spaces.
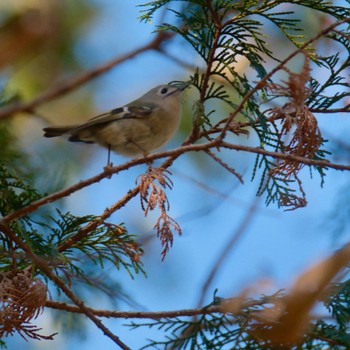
{"x":279,"y":111}
{"x":222,"y":32}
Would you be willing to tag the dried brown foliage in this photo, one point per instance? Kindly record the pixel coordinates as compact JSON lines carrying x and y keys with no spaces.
{"x":164,"y":227}
{"x":153,"y":196}
{"x":300,"y":134}
{"x":22,"y":298}
{"x":289,"y":319}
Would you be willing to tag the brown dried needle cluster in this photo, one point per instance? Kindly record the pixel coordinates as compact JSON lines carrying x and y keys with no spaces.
{"x":22,"y":298}
{"x":285,"y":324}
{"x":300,"y":134}
{"x":153,"y":196}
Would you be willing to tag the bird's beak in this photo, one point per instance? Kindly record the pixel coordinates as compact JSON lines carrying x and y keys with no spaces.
{"x":180,"y":85}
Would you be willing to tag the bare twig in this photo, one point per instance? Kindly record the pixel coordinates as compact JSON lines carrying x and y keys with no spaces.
{"x":228,"y":246}
{"x":72,"y":83}
{"x":134,"y":314}
{"x":345,"y":109}
{"x":212,"y":308}
{"x":278,"y":155}
{"x":93,"y":224}
{"x":225,"y":165}
{"x":172,"y":155}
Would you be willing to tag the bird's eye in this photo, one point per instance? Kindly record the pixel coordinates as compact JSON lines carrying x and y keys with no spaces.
{"x":164,"y":91}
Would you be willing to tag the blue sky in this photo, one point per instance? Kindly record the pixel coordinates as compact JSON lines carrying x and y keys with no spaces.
{"x":276,"y":246}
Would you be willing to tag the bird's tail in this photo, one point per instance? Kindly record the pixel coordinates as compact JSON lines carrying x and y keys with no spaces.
{"x":54,"y":131}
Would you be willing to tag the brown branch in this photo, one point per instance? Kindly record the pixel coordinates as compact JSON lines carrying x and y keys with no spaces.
{"x":210,"y":309}
{"x":211,"y":55}
{"x":345,"y":109}
{"x":93,"y":224}
{"x":206,"y":76}
{"x":239,"y":125}
{"x":225,"y":165}
{"x":246,"y":221}
{"x":214,"y":15}
{"x":172,"y":154}
{"x":55,"y":196}
{"x":44,"y":267}
{"x":286,"y":156}
{"x":134,"y":314}
{"x":72,"y":83}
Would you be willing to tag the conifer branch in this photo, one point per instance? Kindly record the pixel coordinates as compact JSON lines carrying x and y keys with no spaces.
{"x":93,"y":224}
{"x":263,"y":82}
{"x":44,"y":267}
{"x":58,"y":305}
{"x":72,"y":83}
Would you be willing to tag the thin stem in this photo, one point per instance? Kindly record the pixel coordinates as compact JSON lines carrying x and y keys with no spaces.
{"x":134,"y":314}
{"x":72,"y":83}
{"x":227,"y":249}
{"x":208,"y":71}
{"x":93,"y":224}
{"x":172,"y":154}
{"x":210,"y":309}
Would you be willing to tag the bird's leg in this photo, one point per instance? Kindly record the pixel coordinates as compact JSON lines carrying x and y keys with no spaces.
{"x":109,"y":165}
{"x":144,"y":152}
{"x":109,"y":156}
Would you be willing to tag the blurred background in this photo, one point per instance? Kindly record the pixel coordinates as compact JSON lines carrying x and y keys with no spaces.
{"x":46,"y":42}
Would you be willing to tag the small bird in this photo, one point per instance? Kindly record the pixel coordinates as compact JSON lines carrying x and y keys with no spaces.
{"x":137,"y":128}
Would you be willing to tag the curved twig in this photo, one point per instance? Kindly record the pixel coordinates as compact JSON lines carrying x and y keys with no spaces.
{"x":72,"y":83}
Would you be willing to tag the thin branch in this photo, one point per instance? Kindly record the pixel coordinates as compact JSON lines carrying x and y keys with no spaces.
{"x":225,"y":165}
{"x":345,"y":109}
{"x":93,"y":224}
{"x":228,"y":246}
{"x":210,"y":309}
{"x":72,"y":83}
{"x":223,"y":196}
{"x":44,"y":267}
{"x":56,"y":195}
{"x":214,"y":15}
{"x":134,"y":314}
{"x":211,"y":55}
{"x":172,"y":155}
{"x":208,"y":70}
{"x":286,"y":156}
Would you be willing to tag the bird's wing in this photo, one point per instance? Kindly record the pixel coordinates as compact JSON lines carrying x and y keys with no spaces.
{"x":127,"y":112}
